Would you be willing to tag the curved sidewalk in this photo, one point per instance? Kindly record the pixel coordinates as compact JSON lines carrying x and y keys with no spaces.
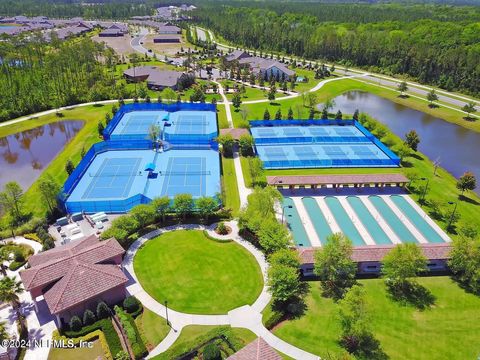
{"x":247,"y":316}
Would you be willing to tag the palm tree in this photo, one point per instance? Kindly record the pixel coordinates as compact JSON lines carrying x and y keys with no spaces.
{"x":3,"y":257}
{"x":10,"y":289}
{"x":3,"y":331}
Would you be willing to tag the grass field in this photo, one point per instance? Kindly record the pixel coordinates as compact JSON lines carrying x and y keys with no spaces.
{"x":152,"y":327}
{"x":229,"y":183}
{"x":198,"y":275}
{"x":84,"y":353}
{"x":449,"y":330}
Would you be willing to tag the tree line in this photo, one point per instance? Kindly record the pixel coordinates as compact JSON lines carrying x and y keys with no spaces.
{"x":441,"y":53}
{"x":36,"y":76}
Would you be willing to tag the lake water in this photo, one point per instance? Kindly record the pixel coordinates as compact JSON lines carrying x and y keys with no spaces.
{"x":24,"y":155}
{"x":456,"y":148}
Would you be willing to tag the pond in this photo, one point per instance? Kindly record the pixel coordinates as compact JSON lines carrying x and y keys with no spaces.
{"x":24,"y":155}
{"x":455,"y":147}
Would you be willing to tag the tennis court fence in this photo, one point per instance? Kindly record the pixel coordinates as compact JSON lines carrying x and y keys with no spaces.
{"x":173,"y":107}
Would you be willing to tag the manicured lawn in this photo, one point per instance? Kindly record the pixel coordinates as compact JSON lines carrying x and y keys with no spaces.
{"x":450,"y":330}
{"x":198,"y":275}
{"x":229,"y":183}
{"x":222,"y":117}
{"x":194,"y":336}
{"x":152,"y":327}
{"x":84,"y":353}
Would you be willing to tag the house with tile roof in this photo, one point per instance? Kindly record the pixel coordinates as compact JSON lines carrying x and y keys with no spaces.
{"x":76,"y":276}
{"x":267,"y":67}
{"x":369,"y":258}
{"x":156,"y":79}
{"x":258,"y":349}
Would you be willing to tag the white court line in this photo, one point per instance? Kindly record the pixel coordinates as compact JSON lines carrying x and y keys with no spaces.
{"x":367,"y":238}
{"x":427,"y":218}
{"x":327,"y":214}
{"x":420,"y":238}
{"x":380,"y":220}
{"x":306,"y":221}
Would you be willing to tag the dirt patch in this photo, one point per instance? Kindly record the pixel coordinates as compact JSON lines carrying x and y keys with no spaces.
{"x":169,"y":49}
{"x":120,"y":44}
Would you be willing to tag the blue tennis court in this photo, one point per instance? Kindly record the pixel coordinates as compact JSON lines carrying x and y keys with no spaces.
{"x":317,"y":146}
{"x":117,"y":180}
{"x":113,"y":179}
{"x":185,"y":175}
{"x":199,"y":127}
{"x":138,"y":123}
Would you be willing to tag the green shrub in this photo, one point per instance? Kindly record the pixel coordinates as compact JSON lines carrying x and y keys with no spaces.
{"x":32,"y":236}
{"x":75,"y":323}
{"x":103,"y":310}
{"x":211,"y":352}
{"x":131,"y":304}
{"x":128,"y":323}
{"x":15,"y":265}
{"x":88,"y":317}
{"x":275,"y":318}
{"x":111,"y":336}
{"x":122,"y":355}
{"x":18,"y":256}
{"x":222,"y":229}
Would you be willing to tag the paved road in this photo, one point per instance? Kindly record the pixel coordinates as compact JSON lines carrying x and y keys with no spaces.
{"x":201,"y":35}
{"x":136,"y":44}
{"x":414,"y":88}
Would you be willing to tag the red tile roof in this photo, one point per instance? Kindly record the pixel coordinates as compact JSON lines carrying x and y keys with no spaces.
{"x":53,"y":264}
{"x":258,"y":349}
{"x":82,"y":282}
{"x":336,"y":179}
{"x":236,"y":133}
{"x":377,"y":252}
{"x":77,"y":271}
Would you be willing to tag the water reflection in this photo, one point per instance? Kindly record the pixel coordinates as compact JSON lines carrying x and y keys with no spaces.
{"x":25,"y":154}
{"x":455,"y":146}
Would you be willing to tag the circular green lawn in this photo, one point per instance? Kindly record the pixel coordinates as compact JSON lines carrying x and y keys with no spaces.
{"x":198,"y":275}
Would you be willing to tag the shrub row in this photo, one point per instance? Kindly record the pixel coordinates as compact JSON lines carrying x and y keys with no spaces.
{"x":92,"y":336}
{"x":138,"y":347}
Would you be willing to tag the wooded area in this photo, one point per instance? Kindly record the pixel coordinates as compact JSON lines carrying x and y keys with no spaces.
{"x":443,"y":53}
{"x":36,"y":76}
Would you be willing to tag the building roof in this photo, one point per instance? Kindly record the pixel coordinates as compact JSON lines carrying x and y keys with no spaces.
{"x":258,"y":349}
{"x":336,"y":179}
{"x":376,"y":253}
{"x":260,"y":64}
{"x":235,"y":132}
{"x":236,"y":55}
{"x":140,"y":71}
{"x":82,"y":282}
{"x":54,"y":264}
{"x":111,"y":31}
{"x":78,"y":272}
{"x":164,"y":78}
{"x":168,"y":29}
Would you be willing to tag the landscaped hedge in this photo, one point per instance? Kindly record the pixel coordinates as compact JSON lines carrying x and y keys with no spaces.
{"x":94,"y":335}
{"x":105,"y":325}
{"x":134,"y":338}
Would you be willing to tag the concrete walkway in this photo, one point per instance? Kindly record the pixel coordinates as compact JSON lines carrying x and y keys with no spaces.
{"x":247,"y":316}
{"x":40,"y":325}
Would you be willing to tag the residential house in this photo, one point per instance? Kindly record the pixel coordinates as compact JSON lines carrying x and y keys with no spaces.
{"x":77,"y":276}
{"x":267,"y":67}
